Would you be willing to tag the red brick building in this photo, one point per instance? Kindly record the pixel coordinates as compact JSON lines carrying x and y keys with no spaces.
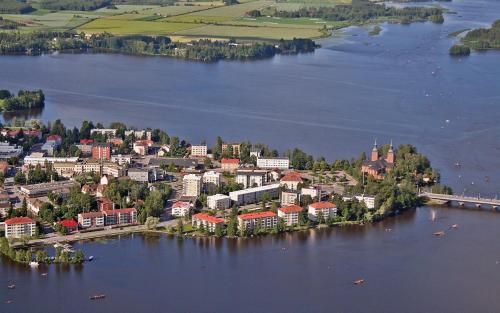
{"x":378,"y":165}
{"x":101,"y":152}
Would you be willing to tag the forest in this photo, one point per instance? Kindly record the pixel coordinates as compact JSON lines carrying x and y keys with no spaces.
{"x":15,"y":7}
{"x":484,"y":38}
{"x":75,"y":5}
{"x":24,"y":100}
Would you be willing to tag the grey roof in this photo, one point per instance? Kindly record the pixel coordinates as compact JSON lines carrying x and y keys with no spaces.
{"x":179,"y":162}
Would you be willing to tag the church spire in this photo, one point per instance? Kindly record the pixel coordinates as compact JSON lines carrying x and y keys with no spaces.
{"x":375,"y":155}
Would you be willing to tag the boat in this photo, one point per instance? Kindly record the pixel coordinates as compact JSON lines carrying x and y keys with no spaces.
{"x":439,"y":233}
{"x":359,"y":282}
{"x":44,"y":274}
{"x":8,"y":302}
{"x":11,"y":286}
{"x":454,"y":226}
{"x":97,"y":297}
{"x":91,"y":258}
{"x":34,"y":264}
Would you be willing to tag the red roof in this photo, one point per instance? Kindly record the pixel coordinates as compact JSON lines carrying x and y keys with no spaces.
{"x":230,"y":161}
{"x":19,"y":220}
{"x":86,"y":141}
{"x":54,"y":137}
{"x":120,"y":211}
{"x":181,"y":204}
{"x":291,"y":209}
{"x":293,"y":176}
{"x":68,"y":223}
{"x":249,"y":216}
{"x":208,"y":218}
{"x":322,"y":205}
{"x":144,"y":142}
{"x":91,"y":214}
{"x":115,"y":141}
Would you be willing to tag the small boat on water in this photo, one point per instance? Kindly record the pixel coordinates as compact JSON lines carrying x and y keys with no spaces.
{"x":97,"y":297}
{"x":8,"y":301}
{"x":439,"y":233}
{"x":359,"y":282}
{"x":44,"y":274}
{"x":11,"y":286}
{"x":34,"y":264}
{"x":91,"y":258}
{"x":454,"y":226}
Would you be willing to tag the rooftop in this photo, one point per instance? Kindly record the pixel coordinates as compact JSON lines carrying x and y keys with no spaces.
{"x":230,"y":161}
{"x":291,"y":209}
{"x":249,"y":216}
{"x":19,"y":220}
{"x":208,"y":218}
{"x":68,"y":223}
{"x":322,"y":205}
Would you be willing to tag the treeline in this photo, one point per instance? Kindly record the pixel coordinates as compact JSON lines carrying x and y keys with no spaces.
{"x":363,"y":10}
{"x":143,"y":2}
{"x":6,"y":24}
{"x":15,"y":7}
{"x":75,"y":5}
{"x":204,"y":50}
{"x":484,"y":38}
{"x":41,"y":256}
{"x":25,"y":99}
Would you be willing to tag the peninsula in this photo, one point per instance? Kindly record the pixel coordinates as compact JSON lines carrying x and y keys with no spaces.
{"x":478,"y":39}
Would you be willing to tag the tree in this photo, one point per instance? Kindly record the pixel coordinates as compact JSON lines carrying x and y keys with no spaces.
{"x":79,"y":257}
{"x":180,"y":227}
{"x":280,"y":226}
{"x":265,"y":199}
{"x":219,"y":232}
{"x":151,"y":222}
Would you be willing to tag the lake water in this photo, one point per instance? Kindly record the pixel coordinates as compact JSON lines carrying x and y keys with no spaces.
{"x":400,"y":85}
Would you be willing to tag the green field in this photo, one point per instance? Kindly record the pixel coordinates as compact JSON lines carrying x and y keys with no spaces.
{"x":193,"y":19}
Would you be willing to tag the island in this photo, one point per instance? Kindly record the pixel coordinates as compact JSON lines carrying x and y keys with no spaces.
{"x":24,"y":100}
{"x":96,"y":181}
{"x":478,"y":39}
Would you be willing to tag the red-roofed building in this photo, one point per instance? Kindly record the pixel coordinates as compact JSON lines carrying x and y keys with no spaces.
{"x":86,"y":141}
{"x":104,"y":204}
{"x":290,"y":214}
{"x":141,"y":147}
{"x":266,"y":219}
{"x":56,"y":139}
{"x":120,"y":216}
{"x":91,"y":219}
{"x":291,"y":180}
{"x":25,"y":132}
{"x":209,"y":222}
{"x":70,"y":225}
{"x":19,"y":227}
{"x":229,"y":165}
{"x":181,"y":208}
{"x":115,"y":141}
{"x":322,"y":209}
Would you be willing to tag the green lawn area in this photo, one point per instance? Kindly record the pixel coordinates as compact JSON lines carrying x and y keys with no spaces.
{"x":198,"y":19}
{"x":127,"y":27}
{"x":235,"y":10}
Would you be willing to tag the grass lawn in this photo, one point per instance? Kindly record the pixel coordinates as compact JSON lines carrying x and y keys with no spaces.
{"x":198,"y":19}
{"x":128,"y":27}
{"x":235,"y":10}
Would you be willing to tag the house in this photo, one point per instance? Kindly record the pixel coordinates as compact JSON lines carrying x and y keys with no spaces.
{"x":141,"y":147}
{"x":291,"y":181}
{"x":104,"y":204}
{"x":255,"y":152}
{"x":290,"y":214}
{"x":199,"y":150}
{"x":86,"y":141}
{"x":89,"y":189}
{"x":313,"y":192}
{"x":91,"y":219}
{"x":234,"y":148}
{"x":4,"y":167}
{"x":378,"y":166}
{"x":34,"y":205}
{"x":101,"y":151}
{"x":19,"y":227}
{"x":209,"y":222}
{"x":266,"y":220}
{"x":289,"y":197}
{"x":115,"y":141}
{"x":281,"y":163}
{"x":120,"y":216}
{"x":251,"y":177}
{"x":69,"y":225}
{"x":181,"y":209}
{"x":322,"y":209}
{"x":211,"y":180}
{"x":22,"y":132}
{"x":191,"y":185}
{"x":254,"y":195}
{"x":55,"y":139}
{"x":230,"y":165}
{"x":218,"y":202}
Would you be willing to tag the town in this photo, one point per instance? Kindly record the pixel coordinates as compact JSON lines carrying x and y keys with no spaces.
{"x":64,"y":185}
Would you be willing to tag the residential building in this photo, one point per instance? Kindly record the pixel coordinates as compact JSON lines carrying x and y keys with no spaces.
{"x":9,"y":151}
{"x":22,"y":132}
{"x":121,"y":159}
{"x":64,"y":169}
{"x":19,"y":227}
{"x":230,"y":165}
{"x":266,"y":220}
{"x":38,"y":190}
{"x":120,"y":216}
{"x":85,"y":148}
{"x":254,"y":195}
{"x":181,"y":209}
{"x":251,"y":178}
{"x":139,"y":174}
{"x":323,"y":208}
{"x":139,"y":134}
{"x":88,"y":166}
{"x":182,"y":163}
{"x":86,"y":141}
{"x":104,"y":204}
{"x":290,"y":197}
{"x":378,"y":166}
{"x":56,"y":139}
{"x":111,"y":133}
{"x":369,"y":201}
{"x":211,"y":180}
{"x":290,"y":214}
{"x":4,"y":203}
{"x":209,"y":222}
{"x":291,"y":181}
{"x":101,"y":151}
{"x":313,"y":192}
{"x":113,"y":169}
{"x":191,"y":185}
{"x":38,"y":158}
{"x":255,"y":152}
{"x":70,"y":225}
{"x":141,"y":147}
{"x":91,"y":219}
{"x":235,"y":148}
{"x":273,"y":163}
{"x":199,"y":150}
{"x":218,"y":202}
{"x":35,"y":204}
{"x":115,"y":141}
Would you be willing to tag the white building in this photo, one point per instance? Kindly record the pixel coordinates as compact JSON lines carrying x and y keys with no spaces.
{"x":266,"y":220}
{"x":278,"y":163}
{"x":290,"y":197}
{"x":290,"y":214}
{"x":218,"y":202}
{"x":291,"y":181}
{"x":19,"y":227}
{"x":313,"y":192}
{"x":139,"y":134}
{"x":209,"y":222}
{"x":181,"y":209}
{"x":199,"y":150}
{"x":251,"y":178}
{"x":211,"y":180}
{"x":254,"y":195}
{"x":323,"y":208}
{"x":8,"y":151}
{"x":121,"y":159}
{"x":104,"y":131}
{"x":369,"y":201}
{"x":91,"y":219}
{"x":36,"y":158}
{"x":191,"y":185}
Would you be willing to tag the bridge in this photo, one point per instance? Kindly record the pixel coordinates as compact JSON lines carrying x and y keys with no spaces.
{"x":462,"y":199}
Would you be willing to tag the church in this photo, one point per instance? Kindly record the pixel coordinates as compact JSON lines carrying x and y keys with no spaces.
{"x":378,"y":165}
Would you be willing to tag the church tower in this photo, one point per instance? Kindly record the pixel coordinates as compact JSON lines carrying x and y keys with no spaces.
{"x":390,"y":155}
{"x":375,"y":154}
